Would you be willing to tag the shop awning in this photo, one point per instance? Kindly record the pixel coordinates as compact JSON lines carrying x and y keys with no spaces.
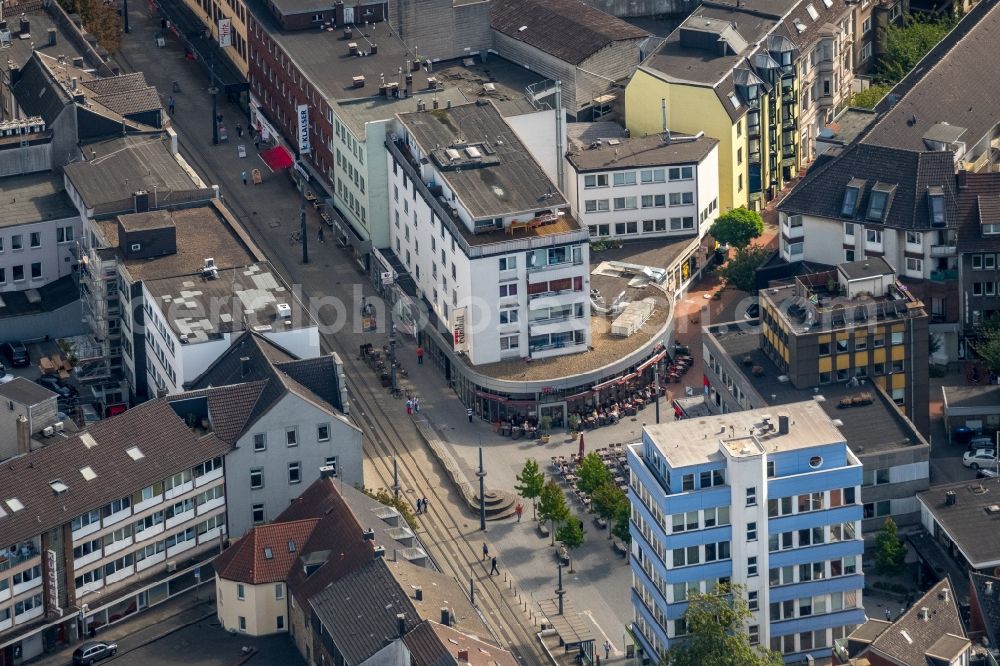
{"x":277,"y":158}
{"x":655,"y":359}
{"x":631,"y":375}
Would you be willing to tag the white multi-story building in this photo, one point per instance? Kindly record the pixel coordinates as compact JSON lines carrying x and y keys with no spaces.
{"x":658,"y":185}
{"x":488,"y":239}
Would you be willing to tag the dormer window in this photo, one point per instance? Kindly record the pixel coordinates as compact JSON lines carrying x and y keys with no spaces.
{"x":878,"y":204}
{"x":935,"y":203}
{"x":852,"y":195}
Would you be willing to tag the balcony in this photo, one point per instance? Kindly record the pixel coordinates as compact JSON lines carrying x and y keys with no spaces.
{"x":944,"y":251}
{"x":25,"y":552}
{"x":944,"y":276}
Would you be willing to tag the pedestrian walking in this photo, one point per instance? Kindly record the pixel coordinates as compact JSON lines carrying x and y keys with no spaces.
{"x":468,"y":412}
{"x":493,"y":568}
{"x":420,"y":355}
{"x":256,"y":142}
{"x":244,"y":177}
{"x":170,"y":105}
{"x":486,"y":550}
{"x":518,"y":510}
{"x":321,"y":239}
{"x":416,"y":405}
{"x":425,"y":505}
{"x":888,"y":614}
{"x":239,"y":129}
{"x":607,"y":649}
{"x":419,"y":507}
{"x":409,"y":407}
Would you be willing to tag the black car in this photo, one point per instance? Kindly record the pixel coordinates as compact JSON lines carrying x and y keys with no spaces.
{"x":56,"y":385}
{"x":16,"y":354}
{"x":88,"y":653}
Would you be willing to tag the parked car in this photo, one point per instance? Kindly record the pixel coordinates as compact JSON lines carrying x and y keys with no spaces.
{"x":986,"y":473}
{"x":981,"y":442}
{"x":93,"y":651}
{"x":752,"y":312}
{"x":980,"y":458}
{"x":56,"y":385}
{"x":16,"y":354}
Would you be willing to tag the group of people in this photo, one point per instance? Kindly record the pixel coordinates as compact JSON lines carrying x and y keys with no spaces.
{"x":412,"y":405}
{"x":611,"y":411}
{"x":422,"y":505}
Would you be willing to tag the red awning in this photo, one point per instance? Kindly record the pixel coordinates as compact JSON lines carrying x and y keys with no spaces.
{"x":277,"y":158}
{"x":655,"y":359}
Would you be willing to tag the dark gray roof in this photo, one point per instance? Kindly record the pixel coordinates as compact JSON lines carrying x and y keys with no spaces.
{"x":38,"y":94}
{"x":37,"y":197}
{"x":167,"y":444}
{"x":989,"y":603}
{"x":581,"y":135}
{"x":978,"y":201}
{"x":359,"y":611}
{"x":25,"y":392}
{"x":114,"y":169}
{"x":642,"y":151}
{"x":433,"y":644}
{"x":957,"y":83}
{"x":569,"y":30}
{"x":512,"y":182}
{"x":865,"y":268}
{"x":974,"y":530}
{"x":910,"y":638}
{"x":971,"y":396}
{"x":821,"y":192}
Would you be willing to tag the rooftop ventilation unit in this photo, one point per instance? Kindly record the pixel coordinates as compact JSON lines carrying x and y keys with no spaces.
{"x":284,"y":311}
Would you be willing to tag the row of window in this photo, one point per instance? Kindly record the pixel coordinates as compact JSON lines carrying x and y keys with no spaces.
{"x":803,"y":573}
{"x":689,"y":521}
{"x":646,"y":201}
{"x":291,"y":436}
{"x":816,"y":501}
{"x":809,"y":606}
{"x":985,"y":288}
{"x":645,"y":176}
{"x":294,"y":473}
{"x":648,"y":227}
{"x":986,"y":262}
{"x":63,"y":235}
{"x":860,"y":343}
{"x":17,"y":272}
{"x":810,"y":536}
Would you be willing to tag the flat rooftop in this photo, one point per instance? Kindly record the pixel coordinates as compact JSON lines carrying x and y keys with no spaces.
{"x":502,"y":179}
{"x":973,"y":521}
{"x":202,"y":232}
{"x":40,"y":22}
{"x":972,"y":396}
{"x":203,"y":307}
{"x":694,"y":441}
{"x":641,"y":151}
{"x":868,"y":428}
{"x":37,"y":197}
{"x":846,"y":127}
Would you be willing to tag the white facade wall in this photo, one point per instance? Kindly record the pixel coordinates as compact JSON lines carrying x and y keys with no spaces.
{"x":672,"y":207}
{"x":55,"y":257}
{"x":537,"y":131}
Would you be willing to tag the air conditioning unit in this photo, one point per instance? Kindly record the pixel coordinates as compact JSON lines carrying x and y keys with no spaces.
{"x":184,"y":338}
{"x":171,"y":566}
{"x":59,"y":426}
{"x":48,"y":431}
{"x":284,"y":310}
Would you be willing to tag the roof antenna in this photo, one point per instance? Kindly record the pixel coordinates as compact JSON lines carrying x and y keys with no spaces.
{"x":663,"y":110}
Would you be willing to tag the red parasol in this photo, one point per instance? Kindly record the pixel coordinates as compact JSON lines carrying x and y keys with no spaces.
{"x":581,"y":446}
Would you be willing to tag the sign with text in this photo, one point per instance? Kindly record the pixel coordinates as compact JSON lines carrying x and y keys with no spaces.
{"x":225,"y":32}
{"x":303,"y":113}
{"x":459,"y":317}
{"x":52,"y":581}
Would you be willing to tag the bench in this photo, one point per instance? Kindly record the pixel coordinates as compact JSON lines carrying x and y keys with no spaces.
{"x":600,"y":522}
{"x":620,"y":548}
{"x":543,"y":529}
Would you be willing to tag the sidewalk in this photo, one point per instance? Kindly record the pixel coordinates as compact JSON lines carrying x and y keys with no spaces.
{"x":147,"y":627}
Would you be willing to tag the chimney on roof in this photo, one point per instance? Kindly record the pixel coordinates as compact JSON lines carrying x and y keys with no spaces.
{"x":418,"y":593}
{"x":950,"y":498}
{"x":401,"y":624}
{"x":379,"y":552}
{"x":368,"y":534}
{"x":782,"y":424}
{"x":989,"y":586}
{"x":140,"y":199}
{"x":925,"y":614}
{"x":944,"y":594}
{"x":963,"y":179}
{"x":244,"y":366}
{"x":463,"y":656}
{"x":445,"y":616}
{"x":72,"y":83}
{"x":23,"y":435}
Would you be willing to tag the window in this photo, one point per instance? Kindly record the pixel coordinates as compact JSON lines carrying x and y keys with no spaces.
{"x":243,"y":622}
{"x":596,"y":206}
{"x":874,"y":236}
{"x":16,"y":242}
{"x":595,"y":180}
{"x":717,"y":517}
{"x":260,"y":441}
{"x":292,"y":436}
{"x":64,"y":235}
{"x":86,"y":519}
{"x":681,"y":173}
{"x":878,"y":204}
{"x":280,"y":622}
{"x":866,"y":50}
{"x":653,"y":176}
{"x":18,"y":273}
{"x":824,"y":348}
{"x":257,"y":478}
{"x":770,"y":470}
{"x":752,"y":496}
{"x":323,"y":432}
{"x":752,"y":531}
{"x":713,"y":478}
{"x":625,"y":203}
{"x":35,"y":239}
{"x":751,"y":566}
{"x":509,"y":315}
{"x":257,"y":514}
{"x":977,"y":261}
{"x":681,"y":198}
{"x":624,"y":178}
{"x":687,"y":482}
{"x":753,"y":600}
{"x":279,"y":590}
{"x":509,"y":342}
{"x":508,"y":263}
{"x":913,"y":264}
{"x":294,"y":472}
{"x":866,"y":26}
{"x":716,"y":551}
{"x":653,"y":201}
{"x":849,"y":206}
{"x":914,"y":238}
{"x":507,"y":290}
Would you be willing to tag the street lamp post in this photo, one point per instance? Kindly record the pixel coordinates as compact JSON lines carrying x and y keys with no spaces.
{"x":213,"y":90}
{"x":302,"y":223}
{"x":482,"y":492}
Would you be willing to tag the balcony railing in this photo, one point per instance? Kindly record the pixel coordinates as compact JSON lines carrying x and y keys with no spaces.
{"x":549,"y":294}
{"x":556,"y":345}
{"x":552,"y":267}
{"x":9,"y":559}
{"x":555,"y":320}
{"x":944,"y":251}
{"x":944,"y":276}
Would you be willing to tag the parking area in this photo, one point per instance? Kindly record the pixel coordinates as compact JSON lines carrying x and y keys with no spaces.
{"x":207,"y":644}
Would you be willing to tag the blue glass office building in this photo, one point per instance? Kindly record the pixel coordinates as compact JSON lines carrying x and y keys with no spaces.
{"x":768,"y":499}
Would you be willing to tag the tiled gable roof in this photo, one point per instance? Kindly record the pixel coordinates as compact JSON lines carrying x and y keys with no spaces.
{"x":567,"y":29}
{"x":821,"y":192}
{"x":433,"y":644}
{"x":911,"y":636}
{"x":229,"y":407}
{"x":987,"y":595}
{"x":266,"y":553}
{"x":978,"y":202}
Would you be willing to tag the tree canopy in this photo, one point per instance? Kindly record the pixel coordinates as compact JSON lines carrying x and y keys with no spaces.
{"x":552,"y":505}
{"x":870,"y":96}
{"x":100,"y":18}
{"x":717,"y":635}
{"x":591,"y":473}
{"x":741,"y":270}
{"x":570,"y":535}
{"x":890,"y":551}
{"x":621,"y":518}
{"x":737,"y":227}
{"x":531,"y":480}
{"x":906,"y":44}
{"x":987,"y":344}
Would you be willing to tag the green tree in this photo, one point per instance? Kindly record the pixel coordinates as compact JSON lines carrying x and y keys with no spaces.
{"x":591,"y":473}
{"x":607,"y":501}
{"x":716,"y":626}
{"x":385,"y":497}
{"x":737,"y":227}
{"x":870,"y":96}
{"x":889,"y":549}
{"x":552,"y":506}
{"x":570,"y":535}
{"x":531,"y":480}
{"x":987,"y":345}
{"x":100,"y":19}
{"x":620,"y":530}
{"x":741,"y":270}
{"x":906,"y":44}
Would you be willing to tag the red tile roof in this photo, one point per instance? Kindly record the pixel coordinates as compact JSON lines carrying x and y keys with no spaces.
{"x":265,"y":554}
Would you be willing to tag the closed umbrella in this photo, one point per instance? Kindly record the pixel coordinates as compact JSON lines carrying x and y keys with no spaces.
{"x":581,"y":446}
